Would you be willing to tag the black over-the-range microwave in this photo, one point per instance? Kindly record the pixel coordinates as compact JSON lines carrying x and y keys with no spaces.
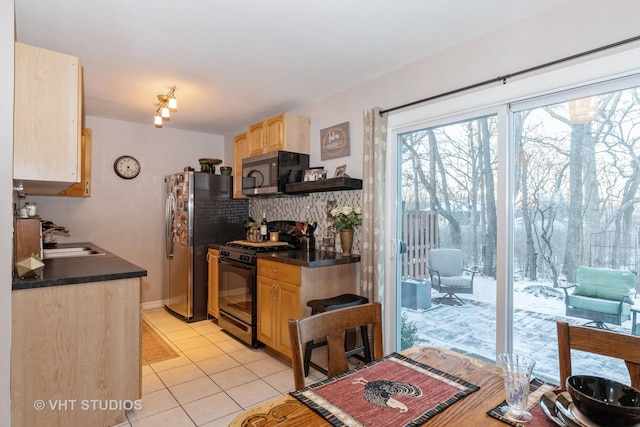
{"x":269,"y":173}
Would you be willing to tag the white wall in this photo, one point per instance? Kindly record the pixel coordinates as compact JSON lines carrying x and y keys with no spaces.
{"x":126,"y":217}
{"x":578,"y":26}
{"x":6,"y":188}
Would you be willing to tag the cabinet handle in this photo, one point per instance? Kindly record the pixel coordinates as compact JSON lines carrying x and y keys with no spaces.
{"x":274,"y":270}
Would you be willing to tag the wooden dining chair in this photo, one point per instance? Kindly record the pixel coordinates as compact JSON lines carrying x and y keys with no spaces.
{"x":598,"y":341}
{"x":332,"y":326}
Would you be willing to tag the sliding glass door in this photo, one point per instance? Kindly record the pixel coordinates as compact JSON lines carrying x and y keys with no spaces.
{"x":576,"y":204}
{"x":555,"y":182}
{"x":448,"y":222}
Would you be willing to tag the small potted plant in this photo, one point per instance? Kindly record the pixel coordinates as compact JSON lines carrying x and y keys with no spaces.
{"x":345,"y":220}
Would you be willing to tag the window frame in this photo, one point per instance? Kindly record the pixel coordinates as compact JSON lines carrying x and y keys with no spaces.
{"x":618,"y":68}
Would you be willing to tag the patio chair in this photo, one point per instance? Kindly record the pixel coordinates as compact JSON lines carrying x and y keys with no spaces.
{"x":333,"y":325}
{"x":448,"y":276}
{"x":601,"y":295}
{"x":598,"y":341}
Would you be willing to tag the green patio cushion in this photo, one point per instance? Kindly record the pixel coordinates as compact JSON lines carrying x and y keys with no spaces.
{"x":598,"y":304}
{"x":604,"y":283}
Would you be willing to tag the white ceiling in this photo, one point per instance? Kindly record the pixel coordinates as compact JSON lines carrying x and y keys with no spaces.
{"x":237,"y":62}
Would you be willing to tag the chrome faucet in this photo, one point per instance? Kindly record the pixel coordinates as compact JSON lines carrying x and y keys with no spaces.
{"x":60,"y":228}
{"x":47,"y":235}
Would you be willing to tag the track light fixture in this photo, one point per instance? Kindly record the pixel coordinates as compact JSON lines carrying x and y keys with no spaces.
{"x":167,"y":104}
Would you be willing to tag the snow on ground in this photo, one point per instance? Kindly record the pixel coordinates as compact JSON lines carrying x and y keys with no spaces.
{"x":471,"y":328}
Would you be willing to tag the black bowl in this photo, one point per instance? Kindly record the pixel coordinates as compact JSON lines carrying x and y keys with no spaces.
{"x":605,"y":401}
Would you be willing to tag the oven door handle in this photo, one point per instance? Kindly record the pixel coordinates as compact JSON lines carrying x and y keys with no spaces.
{"x":237,"y":264}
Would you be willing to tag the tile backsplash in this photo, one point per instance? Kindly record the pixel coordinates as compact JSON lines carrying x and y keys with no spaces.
{"x":312,"y":208}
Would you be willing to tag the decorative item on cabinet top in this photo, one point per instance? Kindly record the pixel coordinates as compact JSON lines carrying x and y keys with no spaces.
{"x":208,"y":165}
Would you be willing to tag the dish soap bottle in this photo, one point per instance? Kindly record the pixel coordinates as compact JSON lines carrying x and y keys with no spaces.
{"x":263,"y":227}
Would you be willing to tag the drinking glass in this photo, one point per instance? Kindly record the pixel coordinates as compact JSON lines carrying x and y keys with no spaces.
{"x":517,"y":370}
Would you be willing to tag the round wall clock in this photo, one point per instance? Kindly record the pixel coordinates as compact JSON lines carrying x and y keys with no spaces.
{"x":126,"y":167}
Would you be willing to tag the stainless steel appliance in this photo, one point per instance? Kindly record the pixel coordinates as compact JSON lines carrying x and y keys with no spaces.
{"x":237,"y":294}
{"x":269,"y":173}
{"x":199,"y":209}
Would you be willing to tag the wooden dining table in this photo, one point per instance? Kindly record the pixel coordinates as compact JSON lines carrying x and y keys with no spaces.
{"x":468,"y":411}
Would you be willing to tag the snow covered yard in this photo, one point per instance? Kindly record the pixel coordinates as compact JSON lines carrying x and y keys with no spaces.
{"x":471,"y":328}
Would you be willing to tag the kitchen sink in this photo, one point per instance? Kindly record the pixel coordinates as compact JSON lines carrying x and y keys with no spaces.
{"x":70,"y":252}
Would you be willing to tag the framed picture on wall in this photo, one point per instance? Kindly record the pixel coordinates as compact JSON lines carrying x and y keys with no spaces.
{"x":334,"y":141}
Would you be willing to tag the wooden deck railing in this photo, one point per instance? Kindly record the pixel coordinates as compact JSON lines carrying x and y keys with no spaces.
{"x":419,"y":233}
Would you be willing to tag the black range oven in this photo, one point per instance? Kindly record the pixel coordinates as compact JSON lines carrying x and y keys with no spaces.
{"x":237,"y":282}
{"x":237,"y":293}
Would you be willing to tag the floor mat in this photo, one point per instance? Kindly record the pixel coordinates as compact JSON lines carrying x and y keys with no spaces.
{"x":154,"y":348}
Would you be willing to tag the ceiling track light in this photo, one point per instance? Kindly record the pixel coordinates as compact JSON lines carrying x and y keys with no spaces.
{"x":167,"y":104}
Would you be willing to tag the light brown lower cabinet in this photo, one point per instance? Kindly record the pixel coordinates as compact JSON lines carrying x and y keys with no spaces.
{"x":277,"y":302}
{"x":212,"y":301}
{"x":75,"y":354}
{"x":283,"y":292}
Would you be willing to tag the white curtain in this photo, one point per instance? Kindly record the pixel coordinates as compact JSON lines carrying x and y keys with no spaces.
{"x":373,"y":202}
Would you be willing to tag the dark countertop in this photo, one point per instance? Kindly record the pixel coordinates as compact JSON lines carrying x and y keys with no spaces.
{"x":309,"y":259}
{"x":69,"y":271}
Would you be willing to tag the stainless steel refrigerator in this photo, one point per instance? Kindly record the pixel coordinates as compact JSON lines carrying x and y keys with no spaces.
{"x":199,"y":210}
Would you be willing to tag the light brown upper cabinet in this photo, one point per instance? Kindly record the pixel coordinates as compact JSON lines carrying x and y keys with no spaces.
{"x":240,"y":151}
{"x":47,"y":120}
{"x":287,"y":132}
{"x":82,"y":188}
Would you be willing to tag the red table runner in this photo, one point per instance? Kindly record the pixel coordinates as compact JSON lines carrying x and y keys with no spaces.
{"x":392,"y":391}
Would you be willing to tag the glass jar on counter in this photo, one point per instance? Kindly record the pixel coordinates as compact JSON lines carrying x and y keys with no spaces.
{"x":328,"y":243}
{"x":253,"y":235}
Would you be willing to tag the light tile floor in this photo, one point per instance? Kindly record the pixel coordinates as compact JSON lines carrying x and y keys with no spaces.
{"x":214,"y":379}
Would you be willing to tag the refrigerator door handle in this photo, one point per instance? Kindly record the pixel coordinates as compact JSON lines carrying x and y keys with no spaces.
{"x":168,"y":242}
